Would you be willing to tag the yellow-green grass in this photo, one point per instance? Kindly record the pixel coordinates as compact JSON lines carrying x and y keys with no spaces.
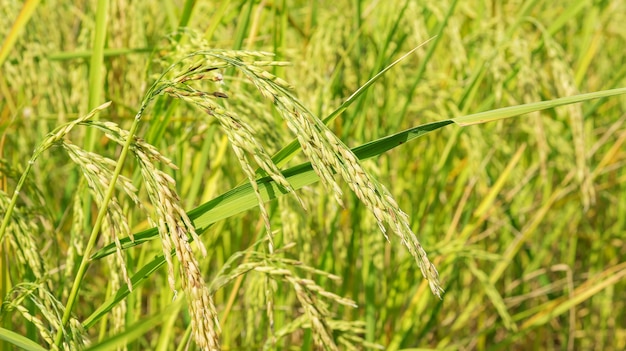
{"x":523,"y":217}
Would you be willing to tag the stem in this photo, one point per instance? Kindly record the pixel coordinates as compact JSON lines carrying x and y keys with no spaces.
{"x":96,"y":64}
{"x":94,"y":233}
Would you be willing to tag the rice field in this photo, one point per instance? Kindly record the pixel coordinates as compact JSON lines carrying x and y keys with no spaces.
{"x":312,"y":175}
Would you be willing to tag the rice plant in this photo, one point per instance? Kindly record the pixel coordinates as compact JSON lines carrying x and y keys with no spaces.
{"x":269,"y":175}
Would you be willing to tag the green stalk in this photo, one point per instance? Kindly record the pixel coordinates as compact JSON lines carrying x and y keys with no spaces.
{"x":84,"y":263}
{"x":96,"y":81}
{"x":242,"y":27}
{"x":17,"y":28}
{"x":185,"y":17}
{"x":96,"y":62}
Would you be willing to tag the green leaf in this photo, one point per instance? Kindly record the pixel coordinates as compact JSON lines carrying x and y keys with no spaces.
{"x":19,"y":340}
{"x":137,"y":330}
{"x":242,"y":198}
{"x":289,"y":151}
{"x":512,"y":111}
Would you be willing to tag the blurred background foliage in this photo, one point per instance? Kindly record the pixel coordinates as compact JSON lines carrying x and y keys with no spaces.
{"x":524,"y":218}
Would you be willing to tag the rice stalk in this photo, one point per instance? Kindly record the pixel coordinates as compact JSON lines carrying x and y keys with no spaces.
{"x":175,"y":229}
{"x":98,"y":175}
{"x":239,"y":133}
{"x":327,"y":153}
{"x":22,"y":230}
{"x":51,"y":139}
{"x":314,"y":300}
{"x":563,"y":77}
{"x":47,"y":319}
{"x":174,"y":226}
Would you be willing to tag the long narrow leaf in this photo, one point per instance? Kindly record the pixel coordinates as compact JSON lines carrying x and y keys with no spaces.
{"x":512,"y":111}
{"x":137,"y":330}
{"x":19,"y":340}
{"x":242,"y":198}
{"x":289,"y":151}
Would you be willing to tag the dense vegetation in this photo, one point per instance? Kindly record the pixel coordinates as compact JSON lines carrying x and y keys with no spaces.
{"x":174,"y":121}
